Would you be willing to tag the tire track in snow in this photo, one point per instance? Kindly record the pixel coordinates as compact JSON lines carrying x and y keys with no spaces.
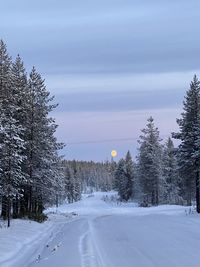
{"x":90,"y":255}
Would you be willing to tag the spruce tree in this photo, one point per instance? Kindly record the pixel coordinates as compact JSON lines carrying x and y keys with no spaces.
{"x":31,"y":174}
{"x":149,"y":164}
{"x":171,"y":179}
{"x":12,"y":146}
{"x":120,"y":180}
{"x":188,"y":151}
{"x":5,"y":85}
{"x":129,"y":167}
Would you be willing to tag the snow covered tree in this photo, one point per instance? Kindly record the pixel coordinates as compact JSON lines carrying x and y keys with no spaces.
{"x":72,"y":181}
{"x":171,"y":179}
{"x":20,"y":95}
{"x":124,"y":177}
{"x":149,"y":164}
{"x":5,"y":84}
{"x":30,"y":168}
{"x":129,"y":167}
{"x":12,"y":145}
{"x":41,"y":145}
{"x":188,"y":151}
{"x":120,"y":180}
{"x":77,"y":182}
{"x":69,"y":184}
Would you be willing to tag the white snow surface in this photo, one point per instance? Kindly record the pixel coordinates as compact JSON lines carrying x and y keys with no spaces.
{"x":104,"y":234}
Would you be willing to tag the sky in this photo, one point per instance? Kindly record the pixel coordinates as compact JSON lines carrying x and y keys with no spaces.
{"x":110,"y":64}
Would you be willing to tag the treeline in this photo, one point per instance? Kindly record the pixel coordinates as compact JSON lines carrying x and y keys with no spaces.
{"x":32,"y":174}
{"x":154,"y":178}
{"x":30,"y":168}
{"x":163,"y":173}
{"x":86,"y":177}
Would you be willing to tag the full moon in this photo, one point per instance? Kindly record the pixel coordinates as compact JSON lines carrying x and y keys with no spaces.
{"x":114,"y":153}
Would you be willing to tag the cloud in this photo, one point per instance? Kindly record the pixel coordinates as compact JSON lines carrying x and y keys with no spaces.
{"x":103,"y":36}
{"x":119,"y":92}
{"x":118,"y":82}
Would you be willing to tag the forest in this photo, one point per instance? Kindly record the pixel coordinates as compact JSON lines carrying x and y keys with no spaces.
{"x":33,"y":175}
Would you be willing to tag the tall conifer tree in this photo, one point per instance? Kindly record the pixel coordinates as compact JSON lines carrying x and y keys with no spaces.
{"x":188,"y":152}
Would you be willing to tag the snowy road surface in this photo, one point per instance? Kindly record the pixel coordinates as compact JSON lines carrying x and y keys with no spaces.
{"x":107,"y":235}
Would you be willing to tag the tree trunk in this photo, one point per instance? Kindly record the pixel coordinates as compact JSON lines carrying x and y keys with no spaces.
{"x":56,"y":200}
{"x":9,"y":210}
{"x":197,"y":192}
{"x":15,"y":207}
{"x":4,"y":207}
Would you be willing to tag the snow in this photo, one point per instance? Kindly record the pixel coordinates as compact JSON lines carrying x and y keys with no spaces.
{"x":104,"y":234}
{"x":22,"y":242}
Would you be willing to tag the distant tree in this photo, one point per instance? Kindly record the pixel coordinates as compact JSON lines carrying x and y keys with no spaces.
{"x":69,"y":184}
{"x":130,"y":175}
{"x":92,"y":176}
{"x":149,"y":164}
{"x":124,"y":177}
{"x":171,"y":179}
{"x":121,"y":180}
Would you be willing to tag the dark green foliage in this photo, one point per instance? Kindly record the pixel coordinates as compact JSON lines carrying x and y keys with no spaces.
{"x":38,"y":217}
{"x":189,"y":148}
{"x":30,"y":169}
{"x":84,"y":176}
{"x":124,"y":178}
{"x":149,"y":164}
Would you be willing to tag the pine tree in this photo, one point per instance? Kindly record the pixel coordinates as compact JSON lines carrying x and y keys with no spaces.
{"x":120,"y":180}
{"x":77,"y":182}
{"x":149,"y":163}
{"x":129,"y":175}
{"x":188,"y":151}
{"x":171,"y":179}
{"x":30,"y":168}
{"x":5,"y":85}
{"x":20,"y":94}
{"x":12,"y":144}
{"x":69,"y":184}
{"x":41,"y":146}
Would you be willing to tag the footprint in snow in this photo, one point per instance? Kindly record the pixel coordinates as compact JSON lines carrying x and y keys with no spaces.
{"x":56,"y":247}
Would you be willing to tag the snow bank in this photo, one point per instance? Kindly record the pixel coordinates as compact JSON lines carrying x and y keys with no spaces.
{"x":23,"y":241}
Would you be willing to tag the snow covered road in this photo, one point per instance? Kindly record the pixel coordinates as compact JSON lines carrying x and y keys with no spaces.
{"x":106,"y":235}
{"x":111,"y":235}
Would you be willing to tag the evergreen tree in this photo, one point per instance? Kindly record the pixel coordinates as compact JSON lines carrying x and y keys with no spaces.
{"x":5,"y":85}
{"x":120,"y":180}
{"x":20,"y":95}
{"x":69,"y":184}
{"x":77,"y":182}
{"x":171,"y":186}
{"x":188,"y":151}
{"x":129,"y":175}
{"x":124,"y":177}
{"x":41,"y":145}
{"x":149,"y":164}
{"x":30,"y":168}
{"x":12,"y":145}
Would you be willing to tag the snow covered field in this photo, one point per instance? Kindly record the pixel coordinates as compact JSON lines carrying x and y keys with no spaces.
{"x":104,"y":235}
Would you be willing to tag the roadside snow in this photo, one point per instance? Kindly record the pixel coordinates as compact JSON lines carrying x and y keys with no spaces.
{"x":23,"y":241}
{"x":93,"y":204}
